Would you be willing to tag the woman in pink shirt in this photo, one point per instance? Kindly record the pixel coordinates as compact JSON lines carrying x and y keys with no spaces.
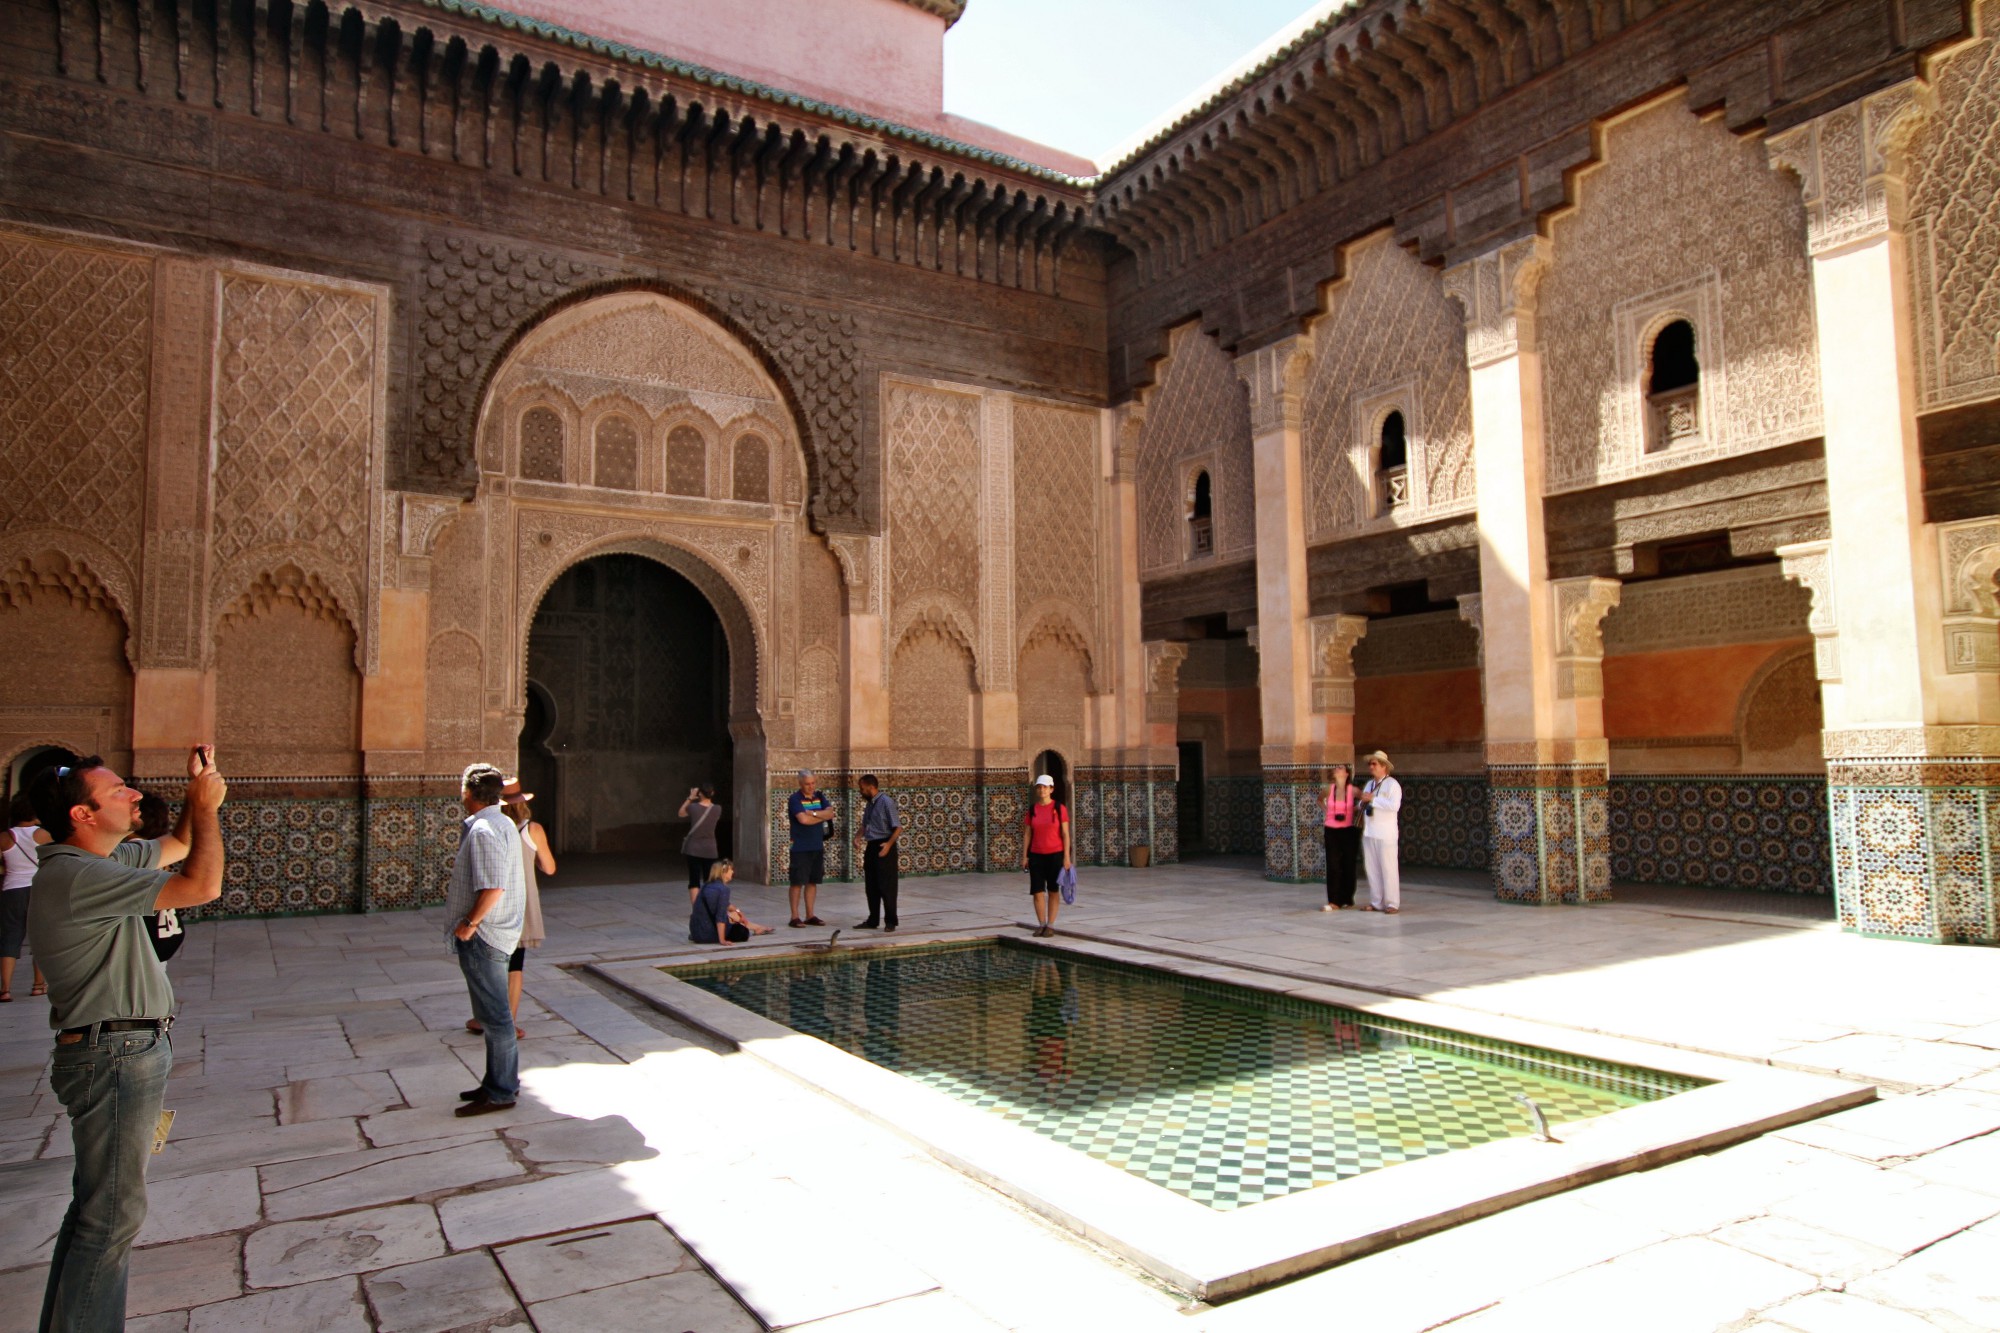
{"x":1343,"y":839}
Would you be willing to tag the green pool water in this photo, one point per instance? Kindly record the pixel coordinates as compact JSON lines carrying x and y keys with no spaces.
{"x":1227,"y":1095}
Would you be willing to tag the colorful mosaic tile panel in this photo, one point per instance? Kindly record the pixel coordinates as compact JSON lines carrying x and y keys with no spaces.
{"x":1724,"y":832}
{"x":1233,"y":815}
{"x":1914,"y":861}
{"x":1443,"y":822}
{"x":1225,"y":1095}
{"x":288,"y":854}
{"x":1549,"y":833}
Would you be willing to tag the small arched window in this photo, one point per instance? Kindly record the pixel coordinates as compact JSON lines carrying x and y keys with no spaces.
{"x":1392,"y":463}
{"x":617,"y":454}
{"x":687,"y":462}
{"x":1201,"y":517}
{"x":541,"y":445}
{"x":1673,"y":388}
{"x":752,"y":469}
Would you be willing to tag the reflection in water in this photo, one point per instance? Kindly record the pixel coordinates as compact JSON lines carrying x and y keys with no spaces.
{"x":1225,"y":1095}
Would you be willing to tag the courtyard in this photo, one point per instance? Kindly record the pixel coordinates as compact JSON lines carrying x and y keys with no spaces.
{"x":316,"y":1177}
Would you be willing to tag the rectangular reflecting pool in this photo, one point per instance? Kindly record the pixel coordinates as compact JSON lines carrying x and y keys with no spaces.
{"x":1226,"y":1095}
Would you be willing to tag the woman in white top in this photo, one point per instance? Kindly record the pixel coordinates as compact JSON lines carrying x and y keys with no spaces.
{"x":1382,"y":796}
{"x":22,"y":855}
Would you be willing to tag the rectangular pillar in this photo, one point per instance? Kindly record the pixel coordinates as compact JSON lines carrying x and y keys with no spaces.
{"x":1548,"y":783}
{"x":1910,"y":677}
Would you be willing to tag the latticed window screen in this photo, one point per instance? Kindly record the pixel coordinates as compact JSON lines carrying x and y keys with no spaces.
{"x":541,"y":445}
{"x":687,"y":462}
{"x":753,"y":469}
{"x":617,"y":454}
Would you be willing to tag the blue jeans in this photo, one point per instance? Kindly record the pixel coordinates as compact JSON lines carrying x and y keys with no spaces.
{"x":112,"y":1088}
{"x":485,"y":969}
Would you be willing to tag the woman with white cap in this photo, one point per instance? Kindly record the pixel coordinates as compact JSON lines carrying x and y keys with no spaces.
{"x":1382,"y":797}
{"x":1045,"y":852}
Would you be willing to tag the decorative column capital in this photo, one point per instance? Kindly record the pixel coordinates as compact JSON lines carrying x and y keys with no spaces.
{"x":1810,"y":565}
{"x":1851,"y":162}
{"x":1276,"y":378}
{"x":1580,"y":607}
{"x":1163,"y":679}
{"x":1333,"y":640}
{"x":1969,"y":559}
{"x":859,"y":554}
{"x":1497,"y":291}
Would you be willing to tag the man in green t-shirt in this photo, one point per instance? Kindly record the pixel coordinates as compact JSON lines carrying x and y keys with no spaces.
{"x":111,"y":1006}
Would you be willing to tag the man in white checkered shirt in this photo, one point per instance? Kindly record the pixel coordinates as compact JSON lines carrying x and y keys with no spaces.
{"x":487,"y":904}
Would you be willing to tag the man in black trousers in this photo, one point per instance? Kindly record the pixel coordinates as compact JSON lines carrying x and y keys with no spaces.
{"x":881,"y":825}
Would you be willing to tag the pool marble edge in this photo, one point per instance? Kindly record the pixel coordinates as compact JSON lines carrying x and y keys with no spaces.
{"x":1214,"y":1255}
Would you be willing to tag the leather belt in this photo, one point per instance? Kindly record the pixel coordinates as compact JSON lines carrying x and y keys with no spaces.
{"x":120,"y":1025}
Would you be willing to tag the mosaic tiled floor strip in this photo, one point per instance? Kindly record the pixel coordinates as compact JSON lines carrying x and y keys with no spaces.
{"x":1222,"y":1094}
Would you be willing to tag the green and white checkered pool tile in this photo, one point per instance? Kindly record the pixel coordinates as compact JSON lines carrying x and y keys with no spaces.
{"x":1224,"y":1095}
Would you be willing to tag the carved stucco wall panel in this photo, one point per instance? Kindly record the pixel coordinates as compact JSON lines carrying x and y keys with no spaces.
{"x":1954,"y":158}
{"x":1388,"y":319}
{"x":932,"y":445}
{"x":1197,"y":407}
{"x":1676,"y":197}
{"x":478,"y":293}
{"x":1056,"y":534}
{"x":297,"y":443}
{"x":1054,"y":677}
{"x":75,"y":334}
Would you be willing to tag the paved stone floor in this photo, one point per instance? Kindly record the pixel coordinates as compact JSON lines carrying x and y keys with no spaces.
{"x":317,"y":1179}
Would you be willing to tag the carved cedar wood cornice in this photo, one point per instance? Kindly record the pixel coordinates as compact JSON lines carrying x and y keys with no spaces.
{"x":1369,"y":115}
{"x":459,"y":81}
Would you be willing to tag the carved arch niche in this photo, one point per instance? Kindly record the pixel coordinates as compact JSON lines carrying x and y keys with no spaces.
{"x":69,"y":680}
{"x":1197,"y":416}
{"x":288,"y":695}
{"x":614,"y":391}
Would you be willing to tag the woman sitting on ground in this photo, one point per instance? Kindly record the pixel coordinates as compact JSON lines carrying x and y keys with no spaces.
{"x":713,"y":920}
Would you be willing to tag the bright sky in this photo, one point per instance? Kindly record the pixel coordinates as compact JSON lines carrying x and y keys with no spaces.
{"x":1088,"y":75}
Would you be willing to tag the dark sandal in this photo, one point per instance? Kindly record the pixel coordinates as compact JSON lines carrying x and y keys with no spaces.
{"x":6,"y":997}
{"x":796,"y":923}
{"x":42,"y":989}
{"x":814,"y":921}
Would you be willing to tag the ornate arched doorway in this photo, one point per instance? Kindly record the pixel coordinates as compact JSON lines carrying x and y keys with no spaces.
{"x":630,"y":447}
{"x":628,"y":705}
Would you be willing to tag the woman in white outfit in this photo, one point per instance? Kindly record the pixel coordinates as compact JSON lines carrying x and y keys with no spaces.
{"x":1382,"y":796}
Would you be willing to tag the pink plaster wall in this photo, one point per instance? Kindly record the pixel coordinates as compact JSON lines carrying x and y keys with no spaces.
{"x":883,"y":57}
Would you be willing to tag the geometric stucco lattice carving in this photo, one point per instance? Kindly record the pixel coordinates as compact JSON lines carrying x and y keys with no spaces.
{"x":74,"y":350}
{"x":1810,"y":564}
{"x":1055,"y":533}
{"x":1969,"y":557}
{"x":1954,"y":159}
{"x":933,"y":440}
{"x":297,"y":456}
{"x":817,"y":349}
{"x":1387,"y":318}
{"x":476,"y":294}
{"x":1752,"y":605}
{"x":1850,"y":165}
{"x":1682,"y":218}
{"x":1198,"y":407}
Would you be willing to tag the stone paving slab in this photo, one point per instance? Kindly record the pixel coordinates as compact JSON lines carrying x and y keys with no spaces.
{"x":360,"y":1020}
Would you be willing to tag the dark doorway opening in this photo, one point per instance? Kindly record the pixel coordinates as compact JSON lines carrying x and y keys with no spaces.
{"x":628,"y":707}
{"x":1189,"y":788}
{"x":1051,"y":763}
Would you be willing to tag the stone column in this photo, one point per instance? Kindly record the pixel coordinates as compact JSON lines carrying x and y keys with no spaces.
{"x":1908,"y":681}
{"x":1293,"y":740}
{"x":1548,"y":793}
